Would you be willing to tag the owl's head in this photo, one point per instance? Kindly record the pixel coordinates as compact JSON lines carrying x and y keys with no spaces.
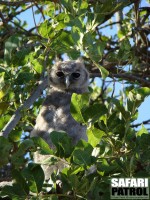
{"x":70,"y":76}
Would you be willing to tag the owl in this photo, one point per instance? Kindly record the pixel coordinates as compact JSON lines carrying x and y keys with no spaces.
{"x":65,"y":78}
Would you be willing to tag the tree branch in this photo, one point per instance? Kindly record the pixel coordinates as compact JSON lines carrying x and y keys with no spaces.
{"x":133,"y":78}
{"x":125,"y":76}
{"x":17,"y":115}
{"x":15,"y":3}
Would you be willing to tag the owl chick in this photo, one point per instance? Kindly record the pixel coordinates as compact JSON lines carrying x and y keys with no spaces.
{"x":65,"y":78}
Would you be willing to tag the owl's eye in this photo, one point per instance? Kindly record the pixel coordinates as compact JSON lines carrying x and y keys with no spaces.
{"x":75,"y":75}
{"x":60,"y":74}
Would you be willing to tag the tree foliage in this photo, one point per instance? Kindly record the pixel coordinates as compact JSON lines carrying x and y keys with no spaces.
{"x":115,"y":50}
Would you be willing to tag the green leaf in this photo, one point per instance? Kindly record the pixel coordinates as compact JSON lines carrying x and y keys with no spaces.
{"x":36,"y":177}
{"x":15,"y":135}
{"x":20,"y":180}
{"x":82,"y":155}
{"x":77,"y":36}
{"x":94,"y":135}
{"x":4,"y":90}
{"x":144,"y":142}
{"x":144,"y":91}
{"x":25,"y":145}
{"x":138,"y":93}
{"x":125,"y":45}
{"x":95,"y":51}
{"x":45,"y":29}
{"x":125,"y":114}
{"x":121,"y":33}
{"x":88,"y":40}
{"x":91,"y":21}
{"x":4,"y":87}
{"x":67,"y":5}
{"x":15,"y":192}
{"x":106,"y":167}
{"x":4,"y":120}
{"x":63,"y":43}
{"x":136,"y":97}
{"x":83,"y":6}
{"x":142,"y":131}
{"x":3,"y":107}
{"x":18,"y":157}
{"x":21,"y":57}
{"x":5,"y":147}
{"x":78,"y":102}
{"x":60,"y":21}
{"x":12,"y":43}
{"x":39,"y":142}
{"x":62,"y":142}
{"x":143,"y":148}
{"x":2,"y":81}
{"x":103,"y":71}
{"x":77,"y":22}
{"x":24,"y":77}
{"x":94,"y":112}
{"x":74,"y":181}
{"x":38,"y":67}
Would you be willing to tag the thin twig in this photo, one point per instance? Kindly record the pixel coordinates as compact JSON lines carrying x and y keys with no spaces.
{"x":24,"y":31}
{"x":110,"y":24}
{"x":133,"y":78}
{"x":16,"y":13}
{"x":113,"y":91}
{"x":139,"y":124}
{"x":34,"y":19}
{"x":40,"y":9}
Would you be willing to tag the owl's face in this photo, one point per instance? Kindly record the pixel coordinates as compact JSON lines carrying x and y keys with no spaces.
{"x":70,"y":76}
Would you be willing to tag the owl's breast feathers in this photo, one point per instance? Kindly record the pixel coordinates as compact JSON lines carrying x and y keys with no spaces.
{"x":55,"y":115}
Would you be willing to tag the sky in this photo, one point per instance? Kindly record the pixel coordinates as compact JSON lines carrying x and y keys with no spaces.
{"x":144,"y":109}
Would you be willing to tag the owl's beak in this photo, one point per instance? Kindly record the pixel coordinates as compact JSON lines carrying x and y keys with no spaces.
{"x":67,"y":82}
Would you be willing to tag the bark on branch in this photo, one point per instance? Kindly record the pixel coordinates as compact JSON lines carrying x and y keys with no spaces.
{"x":127,"y":77}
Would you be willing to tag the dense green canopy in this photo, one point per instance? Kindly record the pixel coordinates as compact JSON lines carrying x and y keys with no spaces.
{"x":112,"y":36}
